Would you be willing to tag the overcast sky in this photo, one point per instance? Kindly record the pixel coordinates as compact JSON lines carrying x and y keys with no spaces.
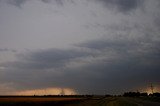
{"x":79,"y":46}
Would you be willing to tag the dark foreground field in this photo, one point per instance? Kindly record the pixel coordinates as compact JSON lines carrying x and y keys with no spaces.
{"x":79,"y":101}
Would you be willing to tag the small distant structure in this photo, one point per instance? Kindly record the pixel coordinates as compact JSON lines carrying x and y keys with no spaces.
{"x":62,"y":92}
{"x":45,"y":92}
{"x":152,"y":88}
{"x":135,"y":94}
{"x":35,"y":92}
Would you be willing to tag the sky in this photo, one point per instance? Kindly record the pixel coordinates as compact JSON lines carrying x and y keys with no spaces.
{"x":79,"y":46}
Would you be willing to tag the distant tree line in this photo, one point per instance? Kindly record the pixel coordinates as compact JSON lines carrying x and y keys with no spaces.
{"x":138,"y":94}
{"x":157,"y":94}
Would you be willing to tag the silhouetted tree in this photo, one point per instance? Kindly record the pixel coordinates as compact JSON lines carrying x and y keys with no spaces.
{"x":144,"y":94}
{"x":131,"y":94}
{"x":156,"y":94}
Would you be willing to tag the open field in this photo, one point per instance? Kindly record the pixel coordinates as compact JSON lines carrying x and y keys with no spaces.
{"x":37,"y":100}
{"x":79,"y":101}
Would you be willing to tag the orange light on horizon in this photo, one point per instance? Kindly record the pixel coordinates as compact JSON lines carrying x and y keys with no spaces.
{"x":155,"y":89}
{"x":47,"y":91}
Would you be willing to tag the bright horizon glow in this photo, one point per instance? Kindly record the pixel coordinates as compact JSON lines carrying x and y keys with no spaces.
{"x":39,"y":92}
{"x":47,"y":91}
{"x":149,"y":91}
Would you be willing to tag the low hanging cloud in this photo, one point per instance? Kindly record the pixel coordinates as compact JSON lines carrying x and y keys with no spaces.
{"x":120,"y":5}
{"x":19,"y":3}
{"x":59,"y":2}
{"x":106,"y":64}
{"x":7,"y":50}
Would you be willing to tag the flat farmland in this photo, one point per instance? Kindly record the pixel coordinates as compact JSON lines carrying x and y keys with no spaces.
{"x":79,"y":101}
{"x":38,"y":101}
{"x":118,"y":101}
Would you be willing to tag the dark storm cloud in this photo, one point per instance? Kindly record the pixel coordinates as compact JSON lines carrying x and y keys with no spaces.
{"x":117,"y":63}
{"x":17,"y":3}
{"x":45,"y":59}
{"x":45,"y":64}
{"x":6,"y":50}
{"x":108,"y":44}
{"x":46,"y":1}
{"x":133,"y":64}
{"x":115,"y":77}
{"x":59,"y":2}
{"x":55,"y":54}
{"x":122,"y":5}
{"x":157,"y":21}
{"x":3,"y":49}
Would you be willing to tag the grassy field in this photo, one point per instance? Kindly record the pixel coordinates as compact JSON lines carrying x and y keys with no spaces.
{"x":78,"y":101}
